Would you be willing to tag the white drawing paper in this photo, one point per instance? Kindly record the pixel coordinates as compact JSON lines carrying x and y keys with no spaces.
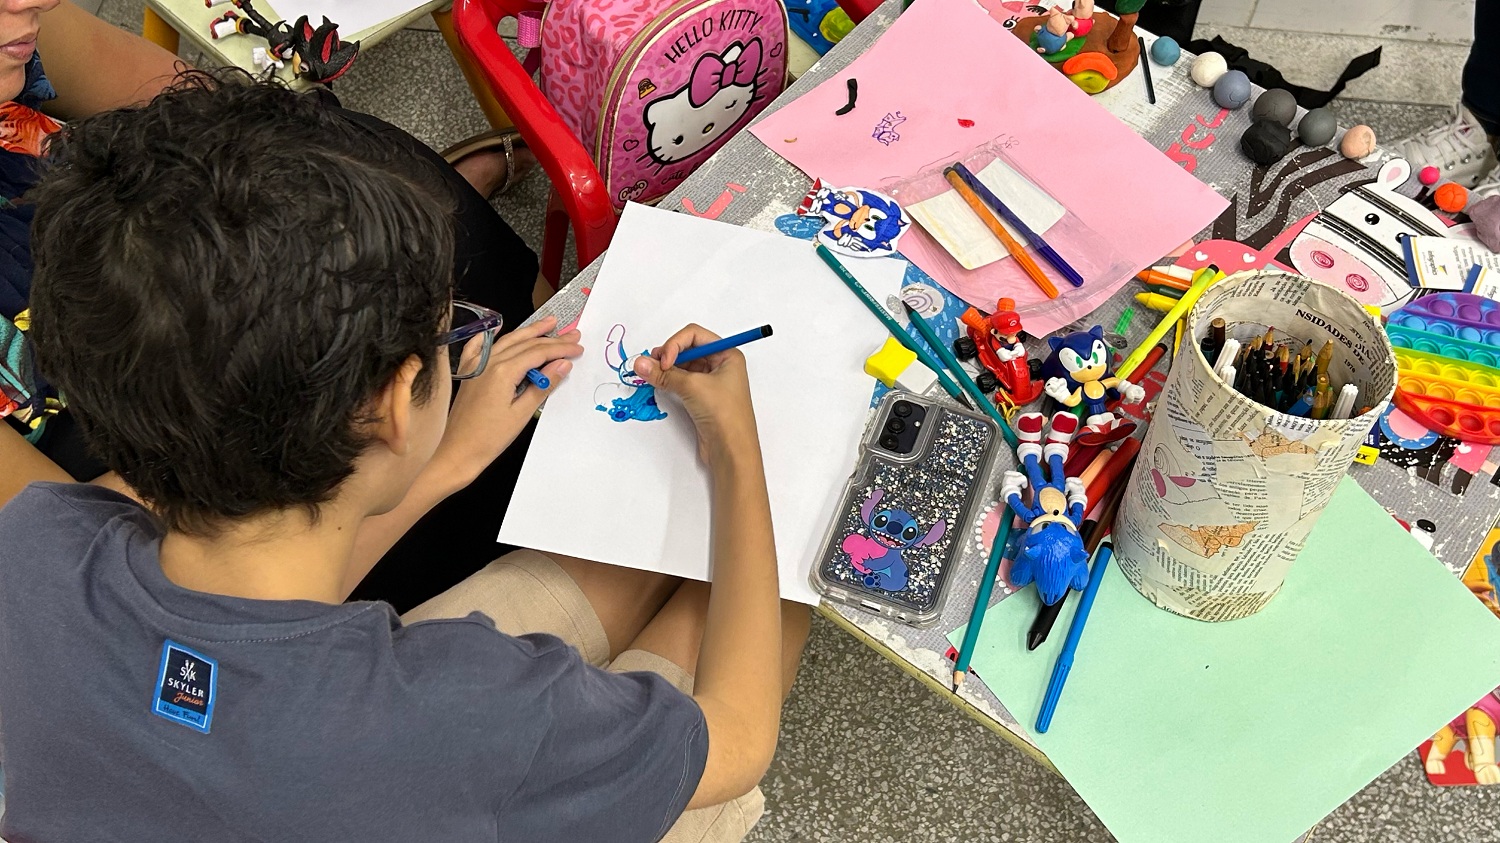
{"x":352,"y":16}
{"x":633,"y":491}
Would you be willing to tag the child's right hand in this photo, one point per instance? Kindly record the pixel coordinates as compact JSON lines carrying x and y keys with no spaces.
{"x":715,"y":391}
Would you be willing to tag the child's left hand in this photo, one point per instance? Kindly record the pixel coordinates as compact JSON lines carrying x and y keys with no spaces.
{"x":489,"y":413}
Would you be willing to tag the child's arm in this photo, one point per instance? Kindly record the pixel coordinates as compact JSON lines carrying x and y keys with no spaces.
{"x":23,"y":464}
{"x":96,"y":66}
{"x":738,"y":682}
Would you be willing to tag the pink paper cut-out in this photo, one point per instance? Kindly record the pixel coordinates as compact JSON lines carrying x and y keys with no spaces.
{"x":1135,"y":198}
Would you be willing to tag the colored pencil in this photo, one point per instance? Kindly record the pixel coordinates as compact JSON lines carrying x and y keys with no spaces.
{"x":1064,"y":664}
{"x":1095,"y":528}
{"x":891,"y":324}
{"x":1095,"y":466}
{"x":1080,"y":456}
{"x":992,"y":222}
{"x":982,"y":598}
{"x":960,"y":374}
{"x":701,"y":351}
{"x":1042,"y":247}
{"x":1115,"y":470}
{"x":1146,"y":71}
{"x":1201,"y":282}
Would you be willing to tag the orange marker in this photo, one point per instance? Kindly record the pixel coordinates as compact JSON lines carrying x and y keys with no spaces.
{"x":991,"y":222}
{"x":1163,"y":279}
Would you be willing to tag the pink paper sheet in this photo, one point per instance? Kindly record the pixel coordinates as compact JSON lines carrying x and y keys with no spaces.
{"x":944,"y":61}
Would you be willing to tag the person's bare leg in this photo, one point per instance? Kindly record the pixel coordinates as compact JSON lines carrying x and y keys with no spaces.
{"x":676,"y":632}
{"x":486,"y":170}
{"x":541,"y":291}
{"x":625,"y":599}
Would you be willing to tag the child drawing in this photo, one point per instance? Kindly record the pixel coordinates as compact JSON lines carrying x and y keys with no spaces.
{"x":885,"y":130}
{"x":630,"y":398}
{"x":877,"y":556}
{"x":716,"y":98}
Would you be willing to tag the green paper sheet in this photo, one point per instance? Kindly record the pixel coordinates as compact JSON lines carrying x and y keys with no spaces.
{"x":1252,"y":731}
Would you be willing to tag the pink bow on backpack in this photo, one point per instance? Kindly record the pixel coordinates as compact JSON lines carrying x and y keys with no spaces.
{"x":711,"y":74}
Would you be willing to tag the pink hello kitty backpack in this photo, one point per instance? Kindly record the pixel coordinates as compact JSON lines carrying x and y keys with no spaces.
{"x":654,"y":87}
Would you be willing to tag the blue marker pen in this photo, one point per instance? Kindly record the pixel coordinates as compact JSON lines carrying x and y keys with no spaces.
{"x":536,"y":377}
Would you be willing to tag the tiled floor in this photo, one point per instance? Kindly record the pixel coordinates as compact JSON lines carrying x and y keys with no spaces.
{"x":866,"y":753}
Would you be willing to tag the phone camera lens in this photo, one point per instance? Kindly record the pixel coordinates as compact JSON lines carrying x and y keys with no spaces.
{"x":890,"y":443}
{"x":895,"y":426}
{"x":902,"y":409}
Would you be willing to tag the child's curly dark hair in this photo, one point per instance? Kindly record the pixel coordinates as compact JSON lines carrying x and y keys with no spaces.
{"x":225,"y":277}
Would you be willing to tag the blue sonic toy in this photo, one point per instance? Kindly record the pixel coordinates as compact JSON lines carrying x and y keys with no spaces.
{"x":857,"y":222}
{"x":1051,"y":552}
{"x":1078,"y":372}
{"x":878,"y":556}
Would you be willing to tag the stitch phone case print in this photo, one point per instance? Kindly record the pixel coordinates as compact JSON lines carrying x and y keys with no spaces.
{"x":906,"y":509}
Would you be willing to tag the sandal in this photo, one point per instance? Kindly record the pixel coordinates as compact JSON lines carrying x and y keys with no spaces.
{"x":506,"y":140}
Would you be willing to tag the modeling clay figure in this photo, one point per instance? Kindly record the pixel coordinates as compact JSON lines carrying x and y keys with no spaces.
{"x":861,"y":223}
{"x":1052,"y":36}
{"x":1051,"y":551}
{"x":1476,"y":727}
{"x":631,"y":398}
{"x":877,"y":556}
{"x":1083,"y":18}
{"x":996,"y":341}
{"x":1078,"y":372}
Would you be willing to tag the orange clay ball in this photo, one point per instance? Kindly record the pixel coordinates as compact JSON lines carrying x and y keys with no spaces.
{"x":1451,"y":197}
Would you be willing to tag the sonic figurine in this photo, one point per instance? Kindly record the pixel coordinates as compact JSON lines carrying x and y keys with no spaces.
{"x":1078,"y":372}
{"x":1051,"y":552}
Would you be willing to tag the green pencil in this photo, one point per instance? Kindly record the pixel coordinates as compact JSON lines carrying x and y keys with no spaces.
{"x":959,"y":374}
{"x":982,"y":598}
{"x":891,"y":324}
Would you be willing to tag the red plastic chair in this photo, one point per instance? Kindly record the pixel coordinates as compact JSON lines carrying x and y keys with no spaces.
{"x":579,"y":195}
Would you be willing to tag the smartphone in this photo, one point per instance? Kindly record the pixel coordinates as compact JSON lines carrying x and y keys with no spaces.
{"x":902,"y":521}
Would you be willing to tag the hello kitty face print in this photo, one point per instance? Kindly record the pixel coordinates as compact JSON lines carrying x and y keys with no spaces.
{"x":714,"y":102}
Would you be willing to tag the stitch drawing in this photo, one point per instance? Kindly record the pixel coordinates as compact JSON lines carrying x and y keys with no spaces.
{"x":877,"y":556}
{"x":885,"y":130}
{"x":628,"y":397}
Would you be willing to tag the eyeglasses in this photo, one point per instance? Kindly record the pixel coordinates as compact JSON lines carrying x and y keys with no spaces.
{"x":475,"y":326}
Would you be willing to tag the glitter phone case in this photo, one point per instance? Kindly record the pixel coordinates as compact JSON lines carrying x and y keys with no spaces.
{"x":900,"y":525}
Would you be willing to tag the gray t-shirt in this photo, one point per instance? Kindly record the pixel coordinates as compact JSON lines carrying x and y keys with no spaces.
{"x":136,"y":710}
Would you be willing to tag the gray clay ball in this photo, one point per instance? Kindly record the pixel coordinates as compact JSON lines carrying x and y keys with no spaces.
{"x":1207,"y":69}
{"x":1266,"y":142}
{"x":1232,"y":90}
{"x":1317,"y":127}
{"x":1278,"y":105}
{"x":1165,"y":51}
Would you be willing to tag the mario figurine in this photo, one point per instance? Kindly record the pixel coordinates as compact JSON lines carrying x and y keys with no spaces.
{"x":996,"y":341}
{"x":1078,"y":372}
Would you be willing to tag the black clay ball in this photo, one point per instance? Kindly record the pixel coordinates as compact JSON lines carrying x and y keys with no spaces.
{"x":1266,"y":142}
{"x":1276,"y":104}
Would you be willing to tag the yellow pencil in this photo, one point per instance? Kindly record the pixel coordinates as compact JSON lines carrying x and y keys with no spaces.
{"x":992,"y":222}
{"x":1177,"y":338}
{"x":1206,"y":276}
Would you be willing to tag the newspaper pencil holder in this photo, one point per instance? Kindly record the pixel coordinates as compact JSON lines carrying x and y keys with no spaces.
{"x":1227,"y":489}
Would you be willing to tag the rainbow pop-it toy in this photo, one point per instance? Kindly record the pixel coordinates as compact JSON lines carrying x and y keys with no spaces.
{"x":1448,"y":354}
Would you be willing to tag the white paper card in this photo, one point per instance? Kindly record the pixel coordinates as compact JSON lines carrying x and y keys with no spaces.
{"x":951,"y":222}
{"x":635,"y":493}
{"x":1444,"y":263}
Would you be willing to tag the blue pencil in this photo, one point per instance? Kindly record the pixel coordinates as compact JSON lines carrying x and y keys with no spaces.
{"x":982,"y":598}
{"x":701,"y":351}
{"x":1075,"y":632}
{"x":1018,"y":224}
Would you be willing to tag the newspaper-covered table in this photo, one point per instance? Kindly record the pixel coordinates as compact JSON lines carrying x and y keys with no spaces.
{"x":747,"y":184}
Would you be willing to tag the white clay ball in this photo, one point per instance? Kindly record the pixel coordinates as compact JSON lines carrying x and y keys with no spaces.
{"x":1207,"y":69}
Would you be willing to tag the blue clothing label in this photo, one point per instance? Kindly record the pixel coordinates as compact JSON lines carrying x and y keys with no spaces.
{"x":185,"y":686}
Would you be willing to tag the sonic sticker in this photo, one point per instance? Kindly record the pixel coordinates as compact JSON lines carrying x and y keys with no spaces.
{"x":857,"y":222}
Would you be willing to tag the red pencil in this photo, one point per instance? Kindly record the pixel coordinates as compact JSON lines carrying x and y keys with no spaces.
{"x":1114,"y":470}
{"x":1080,"y":456}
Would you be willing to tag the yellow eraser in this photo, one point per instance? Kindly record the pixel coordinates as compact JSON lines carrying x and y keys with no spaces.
{"x":889,"y":362}
{"x":1367,"y":455}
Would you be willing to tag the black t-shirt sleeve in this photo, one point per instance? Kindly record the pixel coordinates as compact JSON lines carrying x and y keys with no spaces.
{"x":619,"y":758}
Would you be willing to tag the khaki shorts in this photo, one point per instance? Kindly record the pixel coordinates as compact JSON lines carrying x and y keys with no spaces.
{"x":525,"y":591}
